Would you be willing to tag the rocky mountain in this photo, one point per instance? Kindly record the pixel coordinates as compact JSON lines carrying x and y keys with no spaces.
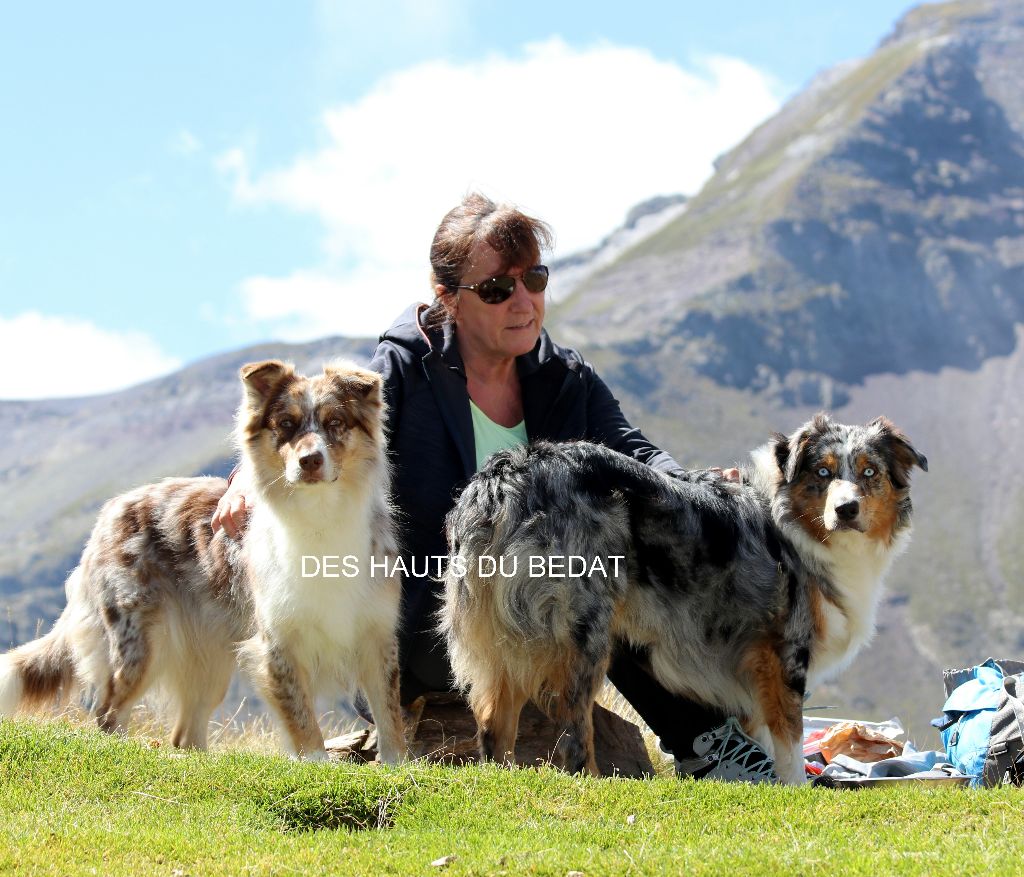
{"x":862,"y":251}
{"x":904,"y":171}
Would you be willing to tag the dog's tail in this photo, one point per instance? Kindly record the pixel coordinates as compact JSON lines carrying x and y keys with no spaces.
{"x":39,"y":672}
{"x":36,"y":673}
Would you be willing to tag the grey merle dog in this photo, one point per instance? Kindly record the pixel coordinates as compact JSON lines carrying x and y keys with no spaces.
{"x":739,"y":594}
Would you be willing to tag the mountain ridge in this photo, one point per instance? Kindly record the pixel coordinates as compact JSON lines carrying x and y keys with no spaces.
{"x":900,"y":165}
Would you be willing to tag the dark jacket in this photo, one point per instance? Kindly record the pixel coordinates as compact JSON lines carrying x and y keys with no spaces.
{"x":431,"y":447}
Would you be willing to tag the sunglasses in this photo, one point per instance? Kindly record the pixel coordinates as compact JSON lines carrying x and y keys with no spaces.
{"x":495,"y":290}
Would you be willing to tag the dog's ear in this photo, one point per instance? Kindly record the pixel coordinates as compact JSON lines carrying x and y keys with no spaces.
{"x":903,"y":454}
{"x":790,"y":452}
{"x":796,"y":448}
{"x":780,"y":448}
{"x":261,"y":379}
{"x":359,"y":382}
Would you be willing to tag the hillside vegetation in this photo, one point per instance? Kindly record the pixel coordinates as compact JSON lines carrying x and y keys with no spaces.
{"x":73,"y":801}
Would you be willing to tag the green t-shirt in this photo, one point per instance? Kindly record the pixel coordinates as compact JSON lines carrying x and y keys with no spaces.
{"x":490,"y":436}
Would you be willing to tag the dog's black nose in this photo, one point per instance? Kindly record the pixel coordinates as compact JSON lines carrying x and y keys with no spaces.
{"x":848,"y":510}
{"x":311,"y":462}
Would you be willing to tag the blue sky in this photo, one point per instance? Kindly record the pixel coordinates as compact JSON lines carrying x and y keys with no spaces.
{"x":175,"y":182}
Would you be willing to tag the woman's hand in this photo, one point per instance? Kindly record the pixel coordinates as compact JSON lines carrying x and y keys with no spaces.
{"x":728,"y":474}
{"x":232,"y":515}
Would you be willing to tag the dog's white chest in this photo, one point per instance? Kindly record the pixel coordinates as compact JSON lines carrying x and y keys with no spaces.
{"x":311,"y":576}
{"x":858,"y":576}
{"x":836,"y":646}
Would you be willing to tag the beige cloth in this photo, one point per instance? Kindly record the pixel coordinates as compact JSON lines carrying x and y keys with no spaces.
{"x":860,"y":742}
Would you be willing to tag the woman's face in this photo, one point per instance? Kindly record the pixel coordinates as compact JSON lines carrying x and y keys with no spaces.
{"x":498,"y":331}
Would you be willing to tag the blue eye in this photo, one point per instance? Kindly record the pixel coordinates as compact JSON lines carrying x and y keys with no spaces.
{"x":869,"y":472}
{"x":824,"y":472}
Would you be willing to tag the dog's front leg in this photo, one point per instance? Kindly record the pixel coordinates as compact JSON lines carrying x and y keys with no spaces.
{"x":378,"y":677}
{"x":576,"y":745}
{"x":496,"y":708}
{"x":789,"y":762}
{"x":778,"y":687}
{"x":284,"y":685}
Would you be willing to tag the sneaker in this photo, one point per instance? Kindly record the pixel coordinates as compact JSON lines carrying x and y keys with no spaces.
{"x":726,"y":753}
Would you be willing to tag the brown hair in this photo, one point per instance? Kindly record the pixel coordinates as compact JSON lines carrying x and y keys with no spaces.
{"x":513,"y":235}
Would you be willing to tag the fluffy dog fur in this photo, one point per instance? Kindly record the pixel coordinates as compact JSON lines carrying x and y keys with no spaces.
{"x":739,"y":595}
{"x":158,"y":600}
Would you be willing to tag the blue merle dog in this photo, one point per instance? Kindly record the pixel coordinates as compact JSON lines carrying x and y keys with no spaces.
{"x":740,"y":595}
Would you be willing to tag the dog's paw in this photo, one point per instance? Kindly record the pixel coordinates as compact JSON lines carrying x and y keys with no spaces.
{"x":313,"y":755}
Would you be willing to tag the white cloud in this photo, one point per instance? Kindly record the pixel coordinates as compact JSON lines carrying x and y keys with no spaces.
{"x":576,"y":137}
{"x":311,"y":304}
{"x":46,"y":356}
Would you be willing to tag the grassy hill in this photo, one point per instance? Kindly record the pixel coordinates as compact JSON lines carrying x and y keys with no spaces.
{"x":77,"y":802}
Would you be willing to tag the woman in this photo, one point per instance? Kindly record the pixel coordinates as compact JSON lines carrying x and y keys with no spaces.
{"x":475,"y":372}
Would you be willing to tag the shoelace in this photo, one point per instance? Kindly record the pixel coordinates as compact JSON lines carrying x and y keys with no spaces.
{"x":748,"y":755}
{"x":728,"y":745}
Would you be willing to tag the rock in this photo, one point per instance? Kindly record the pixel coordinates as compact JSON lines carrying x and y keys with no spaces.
{"x":441,"y":728}
{"x":356,"y":745}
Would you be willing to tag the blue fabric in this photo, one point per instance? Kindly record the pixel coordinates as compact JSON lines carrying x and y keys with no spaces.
{"x":907,"y":765}
{"x":976,"y":702}
{"x":980,"y":693}
{"x":913,"y":766}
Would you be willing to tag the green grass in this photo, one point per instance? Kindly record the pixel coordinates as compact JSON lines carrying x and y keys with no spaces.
{"x":75,"y":802}
{"x":946,"y":13}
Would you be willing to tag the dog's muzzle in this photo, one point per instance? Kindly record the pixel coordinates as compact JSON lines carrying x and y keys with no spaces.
{"x":308,"y":463}
{"x":845,"y":510}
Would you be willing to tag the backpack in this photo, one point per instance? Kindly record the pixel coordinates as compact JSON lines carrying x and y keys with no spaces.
{"x":982,"y":727}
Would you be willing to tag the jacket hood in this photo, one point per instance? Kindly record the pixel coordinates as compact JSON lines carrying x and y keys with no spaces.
{"x":408,"y":331}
